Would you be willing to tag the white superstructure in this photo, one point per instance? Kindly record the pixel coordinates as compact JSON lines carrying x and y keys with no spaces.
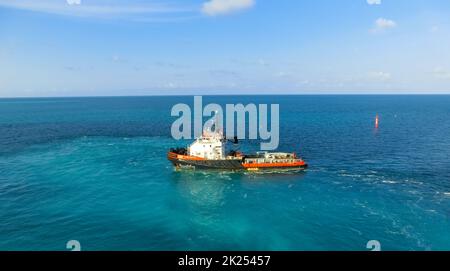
{"x":211,"y":147}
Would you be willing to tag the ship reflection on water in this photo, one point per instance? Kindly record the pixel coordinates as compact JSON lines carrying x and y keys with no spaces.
{"x":209,"y":188}
{"x":214,"y":205}
{"x":204,"y":191}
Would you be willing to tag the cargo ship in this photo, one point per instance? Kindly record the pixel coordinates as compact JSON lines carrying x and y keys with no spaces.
{"x":209,"y":152}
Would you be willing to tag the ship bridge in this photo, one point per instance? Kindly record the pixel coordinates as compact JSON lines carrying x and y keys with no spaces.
{"x":211,"y":147}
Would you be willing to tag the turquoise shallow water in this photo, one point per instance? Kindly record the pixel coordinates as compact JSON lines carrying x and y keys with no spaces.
{"x":95,"y":170}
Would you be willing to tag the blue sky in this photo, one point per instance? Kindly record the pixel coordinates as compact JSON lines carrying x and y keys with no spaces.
{"x":146,"y":47}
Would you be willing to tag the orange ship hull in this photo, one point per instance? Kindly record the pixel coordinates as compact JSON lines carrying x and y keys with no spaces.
{"x":297,"y":164}
{"x":182,"y":160}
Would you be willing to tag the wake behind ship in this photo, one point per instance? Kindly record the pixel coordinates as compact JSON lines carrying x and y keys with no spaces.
{"x":209,"y":152}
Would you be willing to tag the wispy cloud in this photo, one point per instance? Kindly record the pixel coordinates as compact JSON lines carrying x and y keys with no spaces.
{"x":224,"y":73}
{"x":73,"y":2}
{"x":380,"y":76}
{"x":118,"y":59}
{"x":434,"y":29}
{"x":250,"y":62}
{"x":133,"y":9}
{"x":382,"y":24}
{"x":441,"y":73}
{"x":374,"y":2}
{"x":219,"y":7}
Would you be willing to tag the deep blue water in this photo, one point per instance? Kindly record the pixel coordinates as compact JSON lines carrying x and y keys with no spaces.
{"x":95,"y":170}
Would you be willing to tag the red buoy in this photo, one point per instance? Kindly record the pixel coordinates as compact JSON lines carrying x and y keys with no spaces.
{"x":376,"y":121}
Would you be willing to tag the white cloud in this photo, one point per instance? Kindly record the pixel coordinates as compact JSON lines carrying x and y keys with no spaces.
{"x":171,"y":85}
{"x":441,"y":73}
{"x":74,"y":2}
{"x":380,"y":76}
{"x":262,"y":62}
{"x":385,"y":23}
{"x":218,"y":7}
{"x":116,"y":58}
{"x":251,"y":62}
{"x":434,"y":29}
{"x":282,"y":74}
{"x":374,"y":2}
{"x":382,"y":24}
{"x":133,"y":9}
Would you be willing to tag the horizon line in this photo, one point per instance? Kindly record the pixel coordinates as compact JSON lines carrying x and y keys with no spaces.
{"x":238,"y":94}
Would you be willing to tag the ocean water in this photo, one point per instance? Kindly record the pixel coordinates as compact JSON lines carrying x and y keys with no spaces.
{"x":95,"y":170}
